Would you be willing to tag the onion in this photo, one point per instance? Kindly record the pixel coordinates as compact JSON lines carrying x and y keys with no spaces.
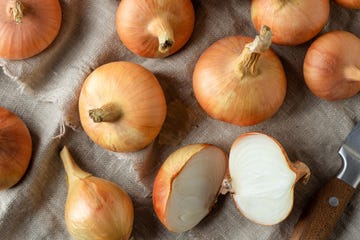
{"x":27,"y":27}
{"x":259,"y":176}
{"x":95,"y":208}
{"x":122,"y":106}
{"x":332,"y":66}
{"x":262,"y":178}
{"x":155,"y":28}
{"x":239,"y":81}
{"x":353,"y":4}
{"x":187,"y":185}
{"x":292,"y":22}
{"x":15,"y":148}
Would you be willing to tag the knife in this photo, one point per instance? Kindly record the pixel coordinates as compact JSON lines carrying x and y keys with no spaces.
{"x":321,"y":216}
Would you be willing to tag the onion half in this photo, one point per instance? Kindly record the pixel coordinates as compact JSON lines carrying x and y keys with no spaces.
{"x":263,"y":178}
{"x":187,"y":185}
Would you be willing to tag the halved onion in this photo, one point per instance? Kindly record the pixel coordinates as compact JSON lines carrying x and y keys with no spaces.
{"x":263,"y":178}
{"x":187,"y":185}
{"x":259,"y":176}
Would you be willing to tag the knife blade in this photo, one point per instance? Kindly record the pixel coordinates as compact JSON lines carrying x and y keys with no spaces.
{"x":322,"y":214}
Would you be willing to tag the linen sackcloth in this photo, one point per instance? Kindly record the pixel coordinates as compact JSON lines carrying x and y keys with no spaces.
{"x":44,"y":89}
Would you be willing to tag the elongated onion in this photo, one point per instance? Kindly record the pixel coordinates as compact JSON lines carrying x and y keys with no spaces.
{"x":15,"y":148}
{"x":292,"y":22}
{"x":27,"y":27}
{"x":332,"y":66}
{"x":122,"y":106}
{"x":240,"y":80}
{"x":155,"y":28}
{"x":95,"y":208}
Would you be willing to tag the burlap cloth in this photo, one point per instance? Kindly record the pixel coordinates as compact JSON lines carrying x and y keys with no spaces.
{"x":43,"y":91}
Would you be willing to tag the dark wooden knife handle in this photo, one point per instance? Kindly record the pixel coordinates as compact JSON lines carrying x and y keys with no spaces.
{"x":321,"y":216}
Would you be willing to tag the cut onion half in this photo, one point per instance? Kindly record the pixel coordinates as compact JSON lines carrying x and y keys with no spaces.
{"x":187,"y":185}
{"x":263,"y":178}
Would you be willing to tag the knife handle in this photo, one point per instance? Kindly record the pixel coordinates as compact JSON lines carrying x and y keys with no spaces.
{"x":320,"y":217}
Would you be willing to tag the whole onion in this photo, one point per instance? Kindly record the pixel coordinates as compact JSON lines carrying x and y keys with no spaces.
{"x":153,"y":28}
{"x":15,"y":148}
{"x":292,"y":22}
{"x":240,"y":80}
{"x":122,"y":106}
{"x":332,"y":66}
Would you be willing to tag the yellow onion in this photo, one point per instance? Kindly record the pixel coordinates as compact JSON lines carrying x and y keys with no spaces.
{"x":27,"y":27}
{"x":15,"y":148}
{"x":240,"y":80}
{"x":155,"y":28}
{"x":292,"y":22}
{"x":258,"y":175}
{"x":187,"y":185}
{"x":332,"y":66}
{"x":352,"y":4}
{"x":95,"y":208}
{"x":122,"y":106}
{"x":262,"y":178}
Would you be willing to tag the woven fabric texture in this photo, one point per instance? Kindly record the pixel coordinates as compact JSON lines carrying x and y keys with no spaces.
{"x":44,"y":90}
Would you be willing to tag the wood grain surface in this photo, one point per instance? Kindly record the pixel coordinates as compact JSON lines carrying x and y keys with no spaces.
{"x":322,"y":214}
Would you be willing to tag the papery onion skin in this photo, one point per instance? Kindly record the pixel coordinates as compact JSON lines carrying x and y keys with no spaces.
{"x":95,"y":208}
{"x":140,"y":23}
{"x":332,"y":66}
{"x":227,"y":94}
{"x":166,"y":175}
{"x":37,"y":29}
{"x":15,"y":148}
{"x":292,"y":22}
{"x":351,"y":4}
{"x":136,"y":95}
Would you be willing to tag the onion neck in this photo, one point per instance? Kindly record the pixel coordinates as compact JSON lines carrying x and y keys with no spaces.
{"x":17,"y":10}
{"x":302,"y":171}
{"x":352,"y":73}
{"x":107,"y":113}
{"x":252,"y":51}
{"x":163,"y":31}
{"x":73,"y":172}
{"x":226,"y":186}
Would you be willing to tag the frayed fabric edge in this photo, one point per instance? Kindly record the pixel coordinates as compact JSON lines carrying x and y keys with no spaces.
{"x":63,"y":125}
{"x":24,"y":88}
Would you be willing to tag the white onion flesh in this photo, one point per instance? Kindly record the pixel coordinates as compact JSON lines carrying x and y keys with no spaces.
{"x":262,"y":180}
{"x":195,"y":189}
